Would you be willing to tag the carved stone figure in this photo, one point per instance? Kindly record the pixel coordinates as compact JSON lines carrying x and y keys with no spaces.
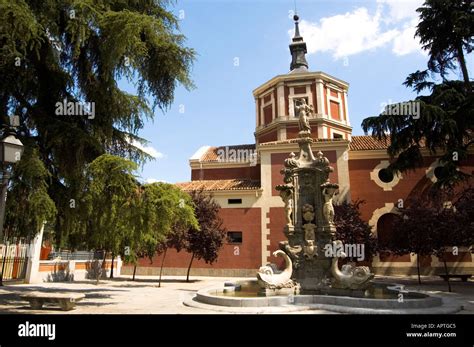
{"x":268,"y":278}
{"x":328,"y":191}
{"x":309,"y":229}
{"x":349,"y":277}
{"x":291,"y":161}
{"x":310,"y":250}
{"x":308,"y":212}
{"x":286,"y":194}
{"x":303,"y":110}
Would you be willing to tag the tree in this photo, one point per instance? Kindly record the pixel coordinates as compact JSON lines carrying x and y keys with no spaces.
{"x":446,"y":118}
{"x":109,"y":200}
{"x":454,"y":227}
{"x":206,"y":242}
{"x":428,"y":226}
{"x":76,"y":50}
{"x":411,"y":234}
{"x":177,"y":239}
{"x":28,"y":185}
{"x":162,"y":208}
{"x":446,"y":31}
{"x":352,"y":229}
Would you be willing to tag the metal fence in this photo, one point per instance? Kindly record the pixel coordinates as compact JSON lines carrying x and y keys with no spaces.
{"x":14,"y":260}
{"x":77,"y":255}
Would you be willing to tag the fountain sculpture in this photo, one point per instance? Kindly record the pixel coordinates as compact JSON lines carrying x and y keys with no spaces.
{"x":311,"y":279}
{"x":307,"y":195}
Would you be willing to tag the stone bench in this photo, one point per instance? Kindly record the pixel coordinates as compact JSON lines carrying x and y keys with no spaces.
{"x":463,"y":278}
{"x":67,"y":301}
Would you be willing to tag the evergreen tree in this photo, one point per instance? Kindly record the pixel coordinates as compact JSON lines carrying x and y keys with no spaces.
{"x":162,"y":208}
{"x":77,"y":50}
{"x":446,"y":119}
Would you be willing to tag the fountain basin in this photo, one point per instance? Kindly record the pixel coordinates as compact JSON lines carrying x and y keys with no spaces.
{"x":381,"y":297}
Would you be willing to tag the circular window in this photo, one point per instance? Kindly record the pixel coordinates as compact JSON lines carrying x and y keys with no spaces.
{"x":385,"y":176}
{"x":440,"y":172}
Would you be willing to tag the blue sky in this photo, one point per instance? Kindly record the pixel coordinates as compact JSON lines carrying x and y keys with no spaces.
{"x":369,"y":44}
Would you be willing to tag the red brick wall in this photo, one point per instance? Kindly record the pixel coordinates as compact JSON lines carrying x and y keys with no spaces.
{"x":268,"y":137}
{"x":292,"y":132}
{"x":246,"y":220}
{"x":250,"y":172}
{"x":267,"y":114}
{"x":411,"y":185}
{"x":335,"y":110}
{"x":300,"y":90}
{"x":277,"y":160}
{"x":325,"y":101}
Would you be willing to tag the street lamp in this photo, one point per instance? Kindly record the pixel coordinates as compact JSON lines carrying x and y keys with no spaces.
{"x":11,"y":150}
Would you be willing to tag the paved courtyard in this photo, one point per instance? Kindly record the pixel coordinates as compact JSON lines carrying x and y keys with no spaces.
{"x":143,"y":296}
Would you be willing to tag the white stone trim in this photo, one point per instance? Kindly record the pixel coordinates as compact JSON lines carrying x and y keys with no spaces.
{"x":346,"y":109}
{"x":379,"y":212}
{"x":374,"y":176}
{"x":328,"y":94}
{"x":332,"y":132}
{"x":281,"y":100}
{"x":292,"y":96}
{"x":281,"y":133}
{"x":325,"y":132}
{"x":320,"y":96}
{"x":430,"y":171}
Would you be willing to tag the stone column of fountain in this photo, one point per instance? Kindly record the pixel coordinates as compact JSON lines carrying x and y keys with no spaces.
{"x":307,"y":194}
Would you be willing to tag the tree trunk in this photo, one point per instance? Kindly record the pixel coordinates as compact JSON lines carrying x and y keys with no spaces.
{"x":465,"y":74}
{"x":161,"y":269}
{"x":134,"y":272}
{"x":189,"y":267}
{"x":418,"y":267}
{"x":447,"y":274}
{"x":102,"y":266}
{"x":112,"y":266}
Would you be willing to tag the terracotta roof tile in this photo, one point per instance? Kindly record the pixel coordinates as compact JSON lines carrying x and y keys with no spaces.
{"x":368,"y":143}
{"x":217,"y":185}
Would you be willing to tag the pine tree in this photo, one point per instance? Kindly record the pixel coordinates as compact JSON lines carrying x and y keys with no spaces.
{"x":54,"y":51}
{"x":446,"y":120}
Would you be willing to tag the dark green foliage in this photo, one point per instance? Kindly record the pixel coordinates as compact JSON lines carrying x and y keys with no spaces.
{"x":77,"y":50}
{"x":446,"y":119}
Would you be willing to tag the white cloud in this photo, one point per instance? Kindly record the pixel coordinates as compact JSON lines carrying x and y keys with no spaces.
{"x":401,"y":9}
{"x":154,"y":180}
{"x":147,"y":149}
{"x":392,"y":25}
{"x":405,"y":42}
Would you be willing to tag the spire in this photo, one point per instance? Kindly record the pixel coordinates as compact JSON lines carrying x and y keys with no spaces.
{"x":298,"y":50}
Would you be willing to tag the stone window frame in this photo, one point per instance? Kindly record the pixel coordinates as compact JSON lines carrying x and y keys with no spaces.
{"x":430,"y":171}
{"x":386,"y":186}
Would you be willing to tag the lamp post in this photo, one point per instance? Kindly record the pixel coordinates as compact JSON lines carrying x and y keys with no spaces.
{"x":11,"y":150}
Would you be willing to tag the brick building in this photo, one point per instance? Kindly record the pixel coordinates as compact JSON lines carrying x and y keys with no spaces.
{"x":242,"y":178}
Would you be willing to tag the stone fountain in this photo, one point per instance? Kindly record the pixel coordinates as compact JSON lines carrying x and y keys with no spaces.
{"x":307,"y":195}
{"x":311,"y":278}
